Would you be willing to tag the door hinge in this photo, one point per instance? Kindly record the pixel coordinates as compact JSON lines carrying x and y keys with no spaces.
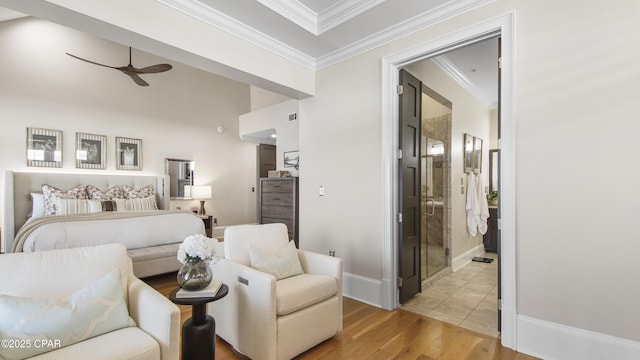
{"x":400,"y":89}
{"x":499,"y":224}
{"x":399,"y":217}
{"x":446,"y":252}
{"x":399,"y":281}
{"x":500,"y":63}
{"x":399,"y":154}
{"x":499,"y":304}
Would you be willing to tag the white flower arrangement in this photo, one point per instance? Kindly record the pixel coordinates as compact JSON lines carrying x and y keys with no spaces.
{"x":197,"y":247}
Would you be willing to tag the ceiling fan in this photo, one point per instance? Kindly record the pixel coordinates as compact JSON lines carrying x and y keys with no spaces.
{"x":132,"y":71}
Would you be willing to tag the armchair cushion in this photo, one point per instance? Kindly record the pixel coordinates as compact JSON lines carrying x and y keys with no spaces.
{"x":93,"y":310}
{"x":281,"y":263}
{"x":299,"y":292}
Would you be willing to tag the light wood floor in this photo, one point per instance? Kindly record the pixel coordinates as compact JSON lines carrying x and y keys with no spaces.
{"x":373,"y":333}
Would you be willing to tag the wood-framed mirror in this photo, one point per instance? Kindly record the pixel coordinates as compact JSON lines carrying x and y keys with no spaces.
{"x":181,"y":174}
{"x":493,"y":169}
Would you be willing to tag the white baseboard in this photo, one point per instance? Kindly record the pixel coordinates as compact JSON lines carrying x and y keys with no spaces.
{"x":550,"y":341}
{"x":364,"y":289}
{"x":465,"y":258}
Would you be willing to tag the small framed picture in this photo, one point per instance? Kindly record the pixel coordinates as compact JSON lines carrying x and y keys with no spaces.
{"x":91,"y":151}
{"x":44,"y":147}
{"x":128,"y":154}
{"x":292,"y":159}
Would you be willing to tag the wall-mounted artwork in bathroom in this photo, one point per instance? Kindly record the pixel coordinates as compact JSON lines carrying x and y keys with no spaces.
{"x":468,"y":153}
{"x":477,"y":155}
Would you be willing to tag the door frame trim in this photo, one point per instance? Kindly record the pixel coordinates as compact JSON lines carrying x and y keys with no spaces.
{"x":500,"y":26}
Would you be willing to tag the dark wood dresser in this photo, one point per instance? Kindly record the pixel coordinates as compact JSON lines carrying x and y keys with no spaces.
{"x":490,"y":239}
{"x":279,"y":203}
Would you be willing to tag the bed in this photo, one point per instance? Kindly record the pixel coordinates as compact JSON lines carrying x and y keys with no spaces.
{"x":151,"y":236}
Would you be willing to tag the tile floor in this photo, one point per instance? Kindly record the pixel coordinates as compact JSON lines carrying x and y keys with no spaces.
{"x":467,"y":298}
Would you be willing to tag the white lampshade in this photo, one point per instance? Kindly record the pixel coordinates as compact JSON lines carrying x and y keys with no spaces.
{"x":201,"y":192}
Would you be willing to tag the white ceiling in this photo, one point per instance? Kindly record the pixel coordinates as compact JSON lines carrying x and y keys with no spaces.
{"x":319,"y":33}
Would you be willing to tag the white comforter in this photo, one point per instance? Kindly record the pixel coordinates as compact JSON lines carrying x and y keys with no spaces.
{"x":134,"y":230}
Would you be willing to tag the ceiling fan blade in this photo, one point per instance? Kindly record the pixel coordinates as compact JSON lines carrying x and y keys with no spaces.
{"x":91,"y":62}
{"x":154,"y":69}
{"x":137,"y":79}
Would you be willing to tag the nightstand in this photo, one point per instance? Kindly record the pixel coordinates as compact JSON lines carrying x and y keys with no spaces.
{"x":207,"y":220}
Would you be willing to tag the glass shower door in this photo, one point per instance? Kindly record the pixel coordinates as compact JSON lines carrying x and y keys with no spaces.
{"x":433,"y":211}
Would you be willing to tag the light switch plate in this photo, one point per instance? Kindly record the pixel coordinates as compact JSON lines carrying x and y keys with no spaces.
{"x":321,"y":190}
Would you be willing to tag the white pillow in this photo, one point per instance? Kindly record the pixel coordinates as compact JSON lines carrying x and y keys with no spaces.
{"x":93,"y":310}
{"x":282,"y":263}
{"x":37,"y":205}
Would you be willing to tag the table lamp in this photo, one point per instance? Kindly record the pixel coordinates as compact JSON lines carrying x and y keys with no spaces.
{"x":201,"y":192}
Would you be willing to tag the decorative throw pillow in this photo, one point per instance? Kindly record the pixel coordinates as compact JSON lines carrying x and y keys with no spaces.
{"x":131,"y":192}
{"x":37,"y":205}
{"x":114,"y":192}
{"x":77,"y":206}
{"x":109,"y":205}
{"x":93,"y":310}
{"x":142,"y":204}
{"x":52,"y":194}
{"x":282,"y":263}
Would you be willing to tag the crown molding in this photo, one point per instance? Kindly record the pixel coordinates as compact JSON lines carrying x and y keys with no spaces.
{"x":296,"y":12}
{"x":228,"y":24}
{"x":447,"y":66}
{"x":318,"y":23}
{"x":196,"y":9}
{"x":342,"y":12}
{"x":418,"y":22}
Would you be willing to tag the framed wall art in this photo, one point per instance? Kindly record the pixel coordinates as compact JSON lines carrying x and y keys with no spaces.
{"x":91,"y":151}
{"x":477,"y":155}
{"x":44,"y":147}
{"x":468,"y":153}
{"x":292,"y":159}
{"x":128,"y":154}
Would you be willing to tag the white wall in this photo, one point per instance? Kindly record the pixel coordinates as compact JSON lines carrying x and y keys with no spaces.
{"x":470,"y":116}
{"x":575,"y":89}
{"x":261,"y":98}
{"x":176,"y":116}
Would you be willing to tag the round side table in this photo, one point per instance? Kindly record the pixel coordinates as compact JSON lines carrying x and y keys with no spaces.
{"x":199,"y":331}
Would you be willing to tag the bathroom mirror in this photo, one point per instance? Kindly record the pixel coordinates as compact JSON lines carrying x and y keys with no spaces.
{"x":493,"y":170}
{"x":180,"y":173}
{"x":468,"y":153}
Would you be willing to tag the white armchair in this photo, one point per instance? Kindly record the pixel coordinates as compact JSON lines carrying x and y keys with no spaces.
{"x":57,"y":274}
{"x":265,"y":318}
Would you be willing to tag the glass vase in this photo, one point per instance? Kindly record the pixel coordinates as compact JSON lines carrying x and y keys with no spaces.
{"x":195,"y":274}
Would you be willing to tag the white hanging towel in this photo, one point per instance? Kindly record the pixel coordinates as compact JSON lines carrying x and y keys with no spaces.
{"x":472,"y":206}
{"x":483,"y":207}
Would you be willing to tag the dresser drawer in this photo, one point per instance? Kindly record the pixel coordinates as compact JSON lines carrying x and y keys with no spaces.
{"x":280,"y":199}
{"x":278,"y":212}
{"x":283,"y":186}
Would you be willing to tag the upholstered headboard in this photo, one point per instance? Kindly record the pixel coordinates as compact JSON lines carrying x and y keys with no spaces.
{"x":19,"y":186}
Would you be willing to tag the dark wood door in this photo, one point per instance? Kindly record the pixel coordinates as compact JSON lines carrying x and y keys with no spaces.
{"x":409,"y":185}
{"x":499,"y":189}
{"x":266,"y":159}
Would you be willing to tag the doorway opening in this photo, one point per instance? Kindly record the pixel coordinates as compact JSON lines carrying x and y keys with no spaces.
{"x":501,"y":26}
